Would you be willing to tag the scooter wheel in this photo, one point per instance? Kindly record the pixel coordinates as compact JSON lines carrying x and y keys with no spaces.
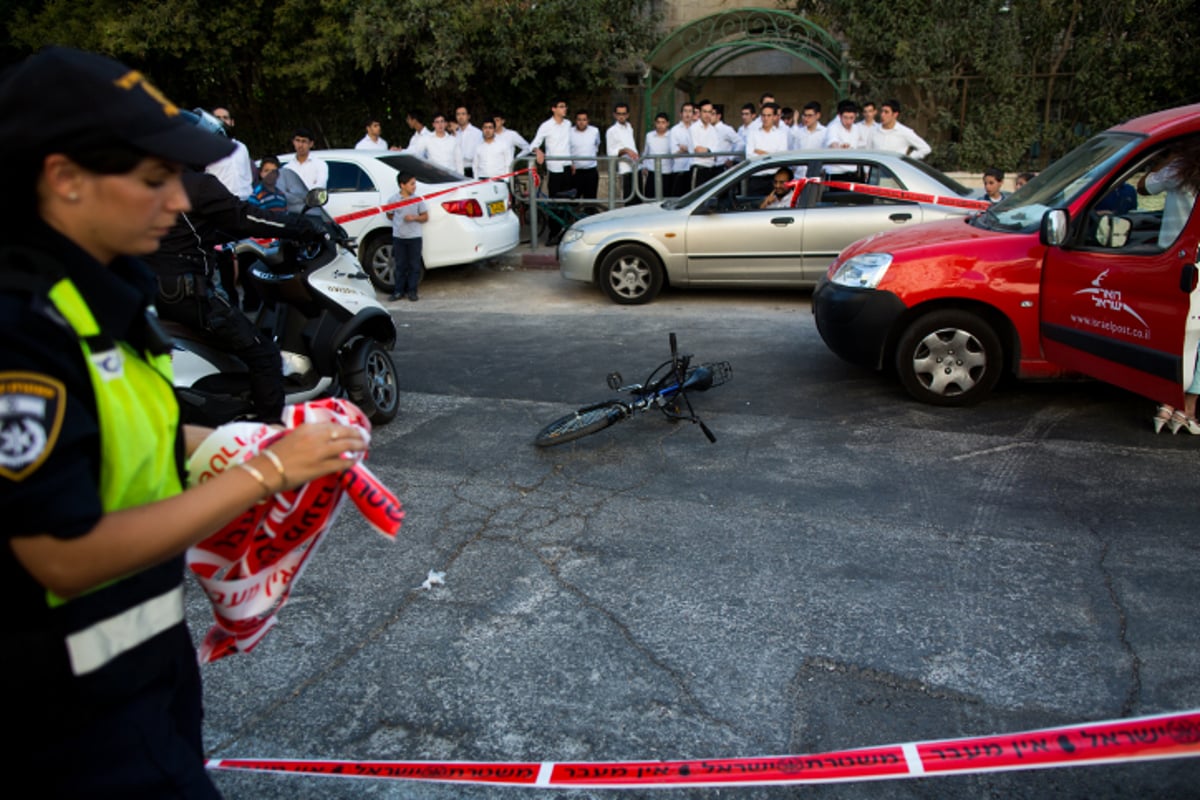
{"x":369,"y":375}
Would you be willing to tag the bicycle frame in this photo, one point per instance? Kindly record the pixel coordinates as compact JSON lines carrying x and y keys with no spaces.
{"x":667,"y":392}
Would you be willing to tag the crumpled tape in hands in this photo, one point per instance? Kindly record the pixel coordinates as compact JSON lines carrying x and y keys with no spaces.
{"x":248,"y":567}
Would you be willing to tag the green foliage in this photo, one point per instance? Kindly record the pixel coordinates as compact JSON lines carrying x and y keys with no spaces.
{"x":327,"y":64}
{"x":1016,"y":87}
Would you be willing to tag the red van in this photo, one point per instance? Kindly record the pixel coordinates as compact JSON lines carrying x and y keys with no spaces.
{"x":1076,"y":272}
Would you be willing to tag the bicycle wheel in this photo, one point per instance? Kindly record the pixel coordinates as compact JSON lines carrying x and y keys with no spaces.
{"x":580,"y":423}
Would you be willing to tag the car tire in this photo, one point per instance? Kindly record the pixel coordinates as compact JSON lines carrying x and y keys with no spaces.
{"x":949,"y":358}
{"x":631,"y":275}
{"x":370,"y":380}
{"x":376,"y":258}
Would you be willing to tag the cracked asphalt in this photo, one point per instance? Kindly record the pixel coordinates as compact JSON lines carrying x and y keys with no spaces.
{"x":843,"y":568}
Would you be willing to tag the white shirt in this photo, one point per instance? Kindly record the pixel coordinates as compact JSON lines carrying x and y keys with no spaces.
{"x":681,"y":137}
{"x":1177,"y":206}
{"x":836,"y":135}
{"x":657,"y":146}
{"x":314,"y":172}
{"x":731,"y":140}
{"x":514,"y":140}
{"x":705,"y":136}
{"x":469,"y":139}
{"x":443,"y":151}
{"x":416,"y":145}
{"x":234,"y":171}
{"x":367,"y":143}
{"x":492,"y":158}
{"x":804,"y":139}
{"x":585,"y":142}
{"x":781,"y":202}
{"x":618,"y":137}
{"x":772,"y":141}
{"x":900,"y":139}
{"x":556,"y":136}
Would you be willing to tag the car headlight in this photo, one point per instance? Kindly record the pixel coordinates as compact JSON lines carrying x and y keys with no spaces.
{"x":572,"y":235}
{"x":863,"y":271}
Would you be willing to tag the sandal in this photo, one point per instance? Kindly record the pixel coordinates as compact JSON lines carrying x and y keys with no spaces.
{"x":1162,"y":416}
{"x":1180,"y":420}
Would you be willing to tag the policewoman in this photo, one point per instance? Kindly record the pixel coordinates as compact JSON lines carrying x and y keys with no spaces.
{"x":101,"y":678}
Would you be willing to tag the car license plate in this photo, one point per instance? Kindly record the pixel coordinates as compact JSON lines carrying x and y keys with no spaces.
{"x":495,"y":207}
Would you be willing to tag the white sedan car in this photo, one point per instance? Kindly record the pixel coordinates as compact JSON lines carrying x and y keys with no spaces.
{"x":470,"y":223}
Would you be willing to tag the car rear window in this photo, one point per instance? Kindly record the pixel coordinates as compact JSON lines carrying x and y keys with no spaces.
{"x":421,"y":169}
{"x":940,"y":177}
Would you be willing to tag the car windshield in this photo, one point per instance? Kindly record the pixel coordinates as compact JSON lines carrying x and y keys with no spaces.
{"x":695,"y":194}
{"x":1059,"y":184}
{"x":421,"y":169}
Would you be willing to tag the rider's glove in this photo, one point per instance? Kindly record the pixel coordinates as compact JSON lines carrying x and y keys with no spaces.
{"x":311,"y":231}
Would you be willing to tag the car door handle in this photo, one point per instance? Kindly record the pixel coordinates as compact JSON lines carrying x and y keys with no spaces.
{"x":900,"y":217}
{"x":782,"y":221}
{"x":1189,"y":277}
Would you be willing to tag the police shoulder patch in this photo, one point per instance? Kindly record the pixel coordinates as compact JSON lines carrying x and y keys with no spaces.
{"x":31,"y":415}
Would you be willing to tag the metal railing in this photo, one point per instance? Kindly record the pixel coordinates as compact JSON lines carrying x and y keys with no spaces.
{"x":538,"y":204}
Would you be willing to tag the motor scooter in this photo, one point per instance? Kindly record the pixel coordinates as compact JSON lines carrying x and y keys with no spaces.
{"x":320,"y":307}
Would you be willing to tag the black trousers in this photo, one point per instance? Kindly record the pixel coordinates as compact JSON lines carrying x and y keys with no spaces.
{"x":702,"y":175}
{"x":586,"y":182}
{"x":557,"y":183}
{"x":190,"y":301}
{"x":146,"y":749}
{"x":631,"y":199}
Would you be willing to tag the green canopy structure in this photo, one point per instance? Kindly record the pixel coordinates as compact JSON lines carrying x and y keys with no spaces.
{"x":698,"y":50}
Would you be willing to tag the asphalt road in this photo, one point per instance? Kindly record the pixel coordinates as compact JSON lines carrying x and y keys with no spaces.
{"x":843,"y":568}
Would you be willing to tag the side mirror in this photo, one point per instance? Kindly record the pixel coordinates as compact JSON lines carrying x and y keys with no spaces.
{"x":316,"y":197}
{"x":1054,"y":227}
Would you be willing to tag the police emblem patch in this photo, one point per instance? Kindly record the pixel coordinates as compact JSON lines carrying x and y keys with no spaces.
{"x":31,"y":414}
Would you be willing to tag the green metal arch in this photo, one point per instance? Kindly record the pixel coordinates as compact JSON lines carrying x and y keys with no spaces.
{"x":704,"y":46}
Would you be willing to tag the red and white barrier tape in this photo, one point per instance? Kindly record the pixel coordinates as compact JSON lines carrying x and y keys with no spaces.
{"x":370,"y":212}
{"x":882,"y":191}
{"x":1149,"y":738}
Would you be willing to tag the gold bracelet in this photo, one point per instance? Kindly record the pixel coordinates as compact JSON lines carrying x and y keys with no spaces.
{"x":277,"y":462}
{"x":258,"y":476}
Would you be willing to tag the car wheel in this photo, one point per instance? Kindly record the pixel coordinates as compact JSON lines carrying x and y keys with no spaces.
{"x":369,"y":375}
{"x":631,"y":275}
{"x":377,"y":261}
{"x":949,"y":358}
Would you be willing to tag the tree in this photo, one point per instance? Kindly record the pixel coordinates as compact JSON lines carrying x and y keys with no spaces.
{"x":991,"y":80}
{"x":327,"y":64}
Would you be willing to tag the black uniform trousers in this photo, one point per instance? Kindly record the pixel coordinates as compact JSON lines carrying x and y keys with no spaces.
{"x":191,"y":301}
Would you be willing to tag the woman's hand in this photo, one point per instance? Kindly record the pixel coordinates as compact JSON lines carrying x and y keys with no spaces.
{"x":312,"y":451}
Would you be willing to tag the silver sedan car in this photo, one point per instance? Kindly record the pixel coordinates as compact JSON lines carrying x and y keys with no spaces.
{"x":719,"y":235}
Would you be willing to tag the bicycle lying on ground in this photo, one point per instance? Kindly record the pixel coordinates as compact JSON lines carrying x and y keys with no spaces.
{"x":666,"y":389}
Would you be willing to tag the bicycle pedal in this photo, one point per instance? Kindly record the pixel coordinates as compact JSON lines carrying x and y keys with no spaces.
{"x":614,"y":380}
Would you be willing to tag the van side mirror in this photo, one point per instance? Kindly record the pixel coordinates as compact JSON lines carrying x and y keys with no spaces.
{"x":1054,"y":227}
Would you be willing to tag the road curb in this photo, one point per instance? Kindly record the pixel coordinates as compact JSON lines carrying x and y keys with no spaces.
{"x":524,"y":258}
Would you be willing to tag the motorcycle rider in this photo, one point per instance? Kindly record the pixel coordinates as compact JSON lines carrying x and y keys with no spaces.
{"x":186,"y":267}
